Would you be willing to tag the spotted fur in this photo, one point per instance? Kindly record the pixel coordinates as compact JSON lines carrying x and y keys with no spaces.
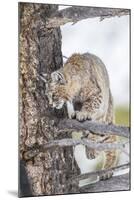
{"x":84,"y":80}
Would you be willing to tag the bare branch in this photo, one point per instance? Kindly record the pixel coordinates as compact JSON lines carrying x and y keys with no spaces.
{"x":99,"y":173}
{"x":116,"y":183}
{"x":73,"y":142}
{"x":84,"y":141}
{"x":77,"y":13}
{"x":94,"y":127}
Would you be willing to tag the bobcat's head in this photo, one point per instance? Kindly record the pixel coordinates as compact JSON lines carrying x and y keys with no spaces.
{"x":56,"y":90}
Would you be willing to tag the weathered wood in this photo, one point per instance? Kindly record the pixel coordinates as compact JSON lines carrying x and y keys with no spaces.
{"x":77,"y":13}
{"x":116,"y":183}
{"x":40,"y":52}
{"x":99,"y":173}
{"x":84,"y":141}
{"x":93,"y":127}
{"x":68,"y":142}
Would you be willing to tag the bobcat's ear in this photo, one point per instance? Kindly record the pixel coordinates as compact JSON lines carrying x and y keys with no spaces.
{"x":58,"y":77}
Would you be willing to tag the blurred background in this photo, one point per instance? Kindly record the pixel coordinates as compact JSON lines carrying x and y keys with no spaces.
{"x":109,"y":40}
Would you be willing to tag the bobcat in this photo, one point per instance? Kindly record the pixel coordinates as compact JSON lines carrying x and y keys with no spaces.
{"x":83,"y":85}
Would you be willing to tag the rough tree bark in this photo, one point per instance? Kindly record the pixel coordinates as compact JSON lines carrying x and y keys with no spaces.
{"x":40,"y":52}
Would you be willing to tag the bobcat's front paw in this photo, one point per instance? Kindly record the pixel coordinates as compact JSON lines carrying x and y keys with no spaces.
{"x":82,"y":115}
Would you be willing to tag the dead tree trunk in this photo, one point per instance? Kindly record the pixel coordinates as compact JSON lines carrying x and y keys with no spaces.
{"x":40,"y":52}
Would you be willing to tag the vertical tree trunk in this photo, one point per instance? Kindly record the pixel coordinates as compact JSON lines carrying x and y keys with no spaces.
{"x":40,"y":52}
